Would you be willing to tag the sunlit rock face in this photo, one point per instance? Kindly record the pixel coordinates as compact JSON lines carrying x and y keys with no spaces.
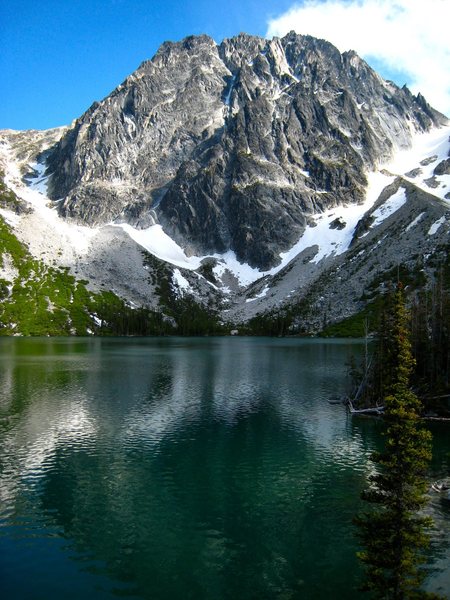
{"x":234,"y":146}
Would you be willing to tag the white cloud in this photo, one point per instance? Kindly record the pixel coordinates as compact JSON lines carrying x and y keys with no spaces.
{"x":406,"y":36}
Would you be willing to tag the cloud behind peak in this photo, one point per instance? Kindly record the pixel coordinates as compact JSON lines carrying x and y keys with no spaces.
{"x":401,"y":38}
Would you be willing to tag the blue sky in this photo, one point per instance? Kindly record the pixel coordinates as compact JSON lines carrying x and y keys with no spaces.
{"x":59,"y":56}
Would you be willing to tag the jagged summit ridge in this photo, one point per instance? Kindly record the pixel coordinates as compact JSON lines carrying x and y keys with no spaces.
{"x":234,"y":146}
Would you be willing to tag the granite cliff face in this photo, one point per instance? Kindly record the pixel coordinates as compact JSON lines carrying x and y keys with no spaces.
{"x":234,"y":146}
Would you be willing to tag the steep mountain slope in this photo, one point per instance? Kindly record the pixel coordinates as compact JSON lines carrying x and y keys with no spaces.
{"x":234,"y":147}
{"x":276,"y":178}
{"x":343,"y":260}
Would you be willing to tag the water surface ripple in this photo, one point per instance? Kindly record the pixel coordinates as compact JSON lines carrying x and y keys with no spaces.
{"x":184,"y":469}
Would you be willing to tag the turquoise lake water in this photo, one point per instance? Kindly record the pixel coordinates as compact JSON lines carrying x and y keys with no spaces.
{"x":182,"y":468}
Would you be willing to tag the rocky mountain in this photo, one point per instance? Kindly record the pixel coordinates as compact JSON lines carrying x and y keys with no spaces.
{"x":253,"y":177}
{"x":234,"y":146}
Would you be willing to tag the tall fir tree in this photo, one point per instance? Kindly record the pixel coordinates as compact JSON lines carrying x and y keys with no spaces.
{"x":393,"y":534}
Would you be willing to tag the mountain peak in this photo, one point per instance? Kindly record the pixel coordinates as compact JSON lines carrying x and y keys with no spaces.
{"x":234,"y":146}
{"x":190,"y":42}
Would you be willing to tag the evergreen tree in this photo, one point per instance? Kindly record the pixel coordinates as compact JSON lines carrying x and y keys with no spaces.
{"x":393,"y":534}
{"x":430,"y":333}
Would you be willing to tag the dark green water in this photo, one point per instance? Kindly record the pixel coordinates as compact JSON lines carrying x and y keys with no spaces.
{"x":184,"y":469}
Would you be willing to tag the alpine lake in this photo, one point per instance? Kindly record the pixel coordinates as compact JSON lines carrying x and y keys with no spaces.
{"x":187,"y":468}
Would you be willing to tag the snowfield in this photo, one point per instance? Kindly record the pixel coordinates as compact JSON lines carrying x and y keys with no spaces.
{"x":434,"y":228}
{"x":427,"y":151}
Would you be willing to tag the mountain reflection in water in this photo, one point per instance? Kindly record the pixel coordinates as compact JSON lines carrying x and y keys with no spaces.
{"x":184,"y":468}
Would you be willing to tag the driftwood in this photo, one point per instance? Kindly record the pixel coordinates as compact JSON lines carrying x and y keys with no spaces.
{"x":374,"y":410}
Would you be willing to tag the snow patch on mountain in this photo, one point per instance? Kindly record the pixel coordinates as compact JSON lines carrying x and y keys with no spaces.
{"x":40,"y":182}
{"x":261,"y":294}
{"x":242,"y":271}
{"x":181,"y":282}
{"x":158,"y":243}
{"x":335,"y":241}
{"x":389,"y":207}
{"x":417,"y":164}
{"x":434,"y":228}
{"x":416,"y":220}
